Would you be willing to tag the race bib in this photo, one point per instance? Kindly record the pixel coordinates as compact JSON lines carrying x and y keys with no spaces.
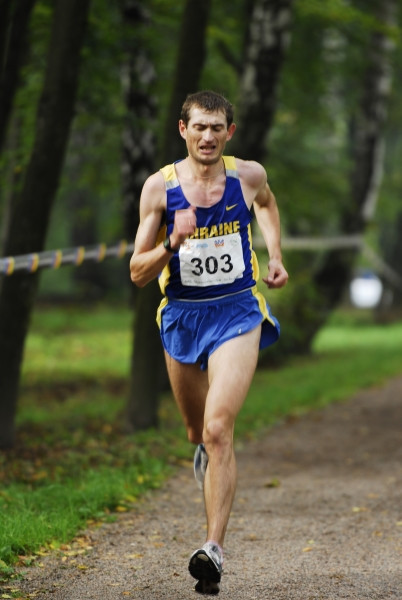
{"x":212,"y":261}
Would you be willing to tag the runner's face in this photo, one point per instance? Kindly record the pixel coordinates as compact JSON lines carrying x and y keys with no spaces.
{"x":206,"y":135}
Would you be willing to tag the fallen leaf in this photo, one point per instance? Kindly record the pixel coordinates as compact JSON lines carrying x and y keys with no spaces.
{"x":274,"y":483}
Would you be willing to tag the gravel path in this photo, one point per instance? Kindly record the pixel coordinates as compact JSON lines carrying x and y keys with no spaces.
{"x":317,"y":515}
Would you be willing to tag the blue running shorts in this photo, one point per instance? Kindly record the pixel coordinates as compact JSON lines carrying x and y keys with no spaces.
{"x":192,"y":330}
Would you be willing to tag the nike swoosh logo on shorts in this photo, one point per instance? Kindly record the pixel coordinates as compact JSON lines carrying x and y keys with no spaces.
{"x":231,"y":206}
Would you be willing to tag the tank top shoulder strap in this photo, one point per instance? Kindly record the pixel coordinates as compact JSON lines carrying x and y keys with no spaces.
{"x":230,"y":166}
{"x":170,"y":177}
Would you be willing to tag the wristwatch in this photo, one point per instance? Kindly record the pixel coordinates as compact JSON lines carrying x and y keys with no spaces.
{"x":166,"y":244}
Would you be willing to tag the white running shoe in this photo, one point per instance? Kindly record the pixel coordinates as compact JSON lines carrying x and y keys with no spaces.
{"x":206,"y":563}
{"x":200,"y":465}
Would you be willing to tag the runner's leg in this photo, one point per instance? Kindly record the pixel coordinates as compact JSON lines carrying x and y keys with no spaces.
{"x":190,"y":387}
{"x":231,"y":368}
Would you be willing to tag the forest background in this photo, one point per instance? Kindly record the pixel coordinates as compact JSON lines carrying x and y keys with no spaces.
{"x":90,"y":95}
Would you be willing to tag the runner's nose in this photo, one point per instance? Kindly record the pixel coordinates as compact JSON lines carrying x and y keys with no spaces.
{"x":208,"y":135}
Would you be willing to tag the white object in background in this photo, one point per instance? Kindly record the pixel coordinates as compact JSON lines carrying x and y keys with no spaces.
{"x":366,"y":290}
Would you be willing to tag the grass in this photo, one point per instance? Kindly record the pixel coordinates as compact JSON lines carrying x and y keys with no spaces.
{"x":74,"y":463}
{"x":70,"y":344}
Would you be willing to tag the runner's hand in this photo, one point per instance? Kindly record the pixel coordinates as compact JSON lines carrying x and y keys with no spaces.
{"x":277,"y":274}
{"x":185,"y":222}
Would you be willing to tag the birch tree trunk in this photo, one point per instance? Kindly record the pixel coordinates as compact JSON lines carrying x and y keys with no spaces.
{"x":267,"y":40}
{"x":31,"y":206}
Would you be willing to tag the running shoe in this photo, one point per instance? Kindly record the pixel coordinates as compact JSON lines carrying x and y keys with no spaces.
{"x":206,"y":563}
{"x":200,"y":465}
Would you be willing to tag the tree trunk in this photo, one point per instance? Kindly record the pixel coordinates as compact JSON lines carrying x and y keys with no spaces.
{"x":148,"y":374}
{"x":267,"y":39}
{"x":14,"y":19}
{"x":32,"y":204}
{"x":147,"y":362}
{"x":138,"y":139}
{"x":138,"y":162}
{"x":189,"y":65}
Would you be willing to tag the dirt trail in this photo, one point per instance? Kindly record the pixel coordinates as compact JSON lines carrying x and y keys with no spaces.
{"x":317,"y":515}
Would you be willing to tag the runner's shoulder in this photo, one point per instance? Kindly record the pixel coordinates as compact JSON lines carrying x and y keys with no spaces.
{"x":251,"y":172}
{"x":154,"y":191}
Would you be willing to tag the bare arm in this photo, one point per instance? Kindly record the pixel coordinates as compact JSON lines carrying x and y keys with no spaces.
{"x":267,"y":215}
{"x":148,"y":260}
{"x":256,"y":191}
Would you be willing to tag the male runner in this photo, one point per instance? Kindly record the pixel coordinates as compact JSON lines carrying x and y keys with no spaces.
{"x":195,"y":235}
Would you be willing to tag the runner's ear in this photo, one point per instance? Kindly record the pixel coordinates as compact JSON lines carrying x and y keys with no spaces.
{"x":231,"y":130}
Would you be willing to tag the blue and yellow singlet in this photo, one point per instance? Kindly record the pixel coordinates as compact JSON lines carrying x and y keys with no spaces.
{"x":218,"y":259}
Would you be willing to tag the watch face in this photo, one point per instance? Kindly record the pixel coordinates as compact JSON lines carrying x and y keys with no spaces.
{"x":167,"y":245}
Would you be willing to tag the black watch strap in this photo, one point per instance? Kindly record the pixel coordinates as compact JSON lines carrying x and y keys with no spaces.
{"x":166,"y":244}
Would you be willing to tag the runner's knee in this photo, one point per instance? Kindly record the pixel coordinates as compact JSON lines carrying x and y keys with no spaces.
{"x":218,"y":431}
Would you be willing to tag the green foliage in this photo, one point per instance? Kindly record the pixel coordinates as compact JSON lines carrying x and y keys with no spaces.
{"x":308,"y":162}
{"x":345,"y":14}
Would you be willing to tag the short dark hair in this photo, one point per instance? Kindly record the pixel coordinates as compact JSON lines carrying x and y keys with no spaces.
{"x":208,"y":101}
